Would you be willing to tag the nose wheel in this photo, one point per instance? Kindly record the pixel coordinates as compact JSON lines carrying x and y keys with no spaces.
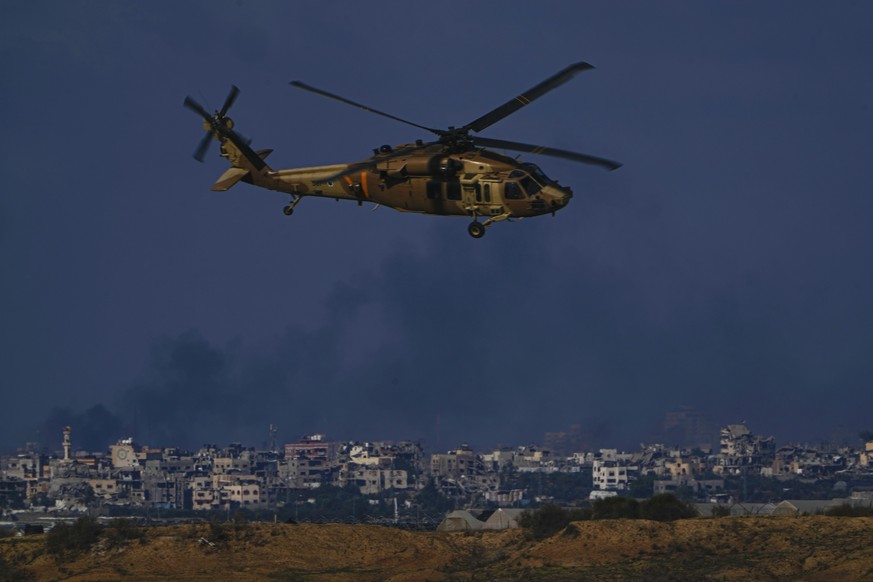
{"x":476,"y":229}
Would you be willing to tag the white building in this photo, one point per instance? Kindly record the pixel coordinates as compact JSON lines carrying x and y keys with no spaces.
{"x":613,"y":471}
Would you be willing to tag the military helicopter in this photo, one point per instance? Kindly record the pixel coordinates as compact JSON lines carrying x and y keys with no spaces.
{"x":451,"y":175}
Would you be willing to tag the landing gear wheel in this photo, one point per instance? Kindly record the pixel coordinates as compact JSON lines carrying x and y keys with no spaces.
{"x":288,"y":210}
{"x":476,"y":230}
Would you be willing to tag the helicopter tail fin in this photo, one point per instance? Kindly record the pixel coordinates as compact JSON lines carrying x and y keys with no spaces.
{"x":236,"y":174}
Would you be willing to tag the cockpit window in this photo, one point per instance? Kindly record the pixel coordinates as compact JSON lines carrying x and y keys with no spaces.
{"x":537,"y":174}
{"x":512,"y":191}
{"x":530,"y":185}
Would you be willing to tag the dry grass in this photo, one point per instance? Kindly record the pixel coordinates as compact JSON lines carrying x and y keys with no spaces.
{"x":803,"y":548}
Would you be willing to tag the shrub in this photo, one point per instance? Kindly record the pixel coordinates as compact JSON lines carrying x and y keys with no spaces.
{"x":218,"y":532}
{"x":721,"y":511}
{"x":121,"y":531}
{"x":241,"y":527}
{"x":616,"y":508}
{"x":848,"y":510}
{"x":581,"y":514}
{"x":666,"y":507}
{"x":65,"y":540}
{"x":545,"y":521}
{"x":550,"y":519}
{"x":14,"y":573}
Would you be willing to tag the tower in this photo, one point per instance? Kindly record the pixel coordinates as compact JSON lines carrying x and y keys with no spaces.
{"x":272,"y":442}
{"x":68,"y":443}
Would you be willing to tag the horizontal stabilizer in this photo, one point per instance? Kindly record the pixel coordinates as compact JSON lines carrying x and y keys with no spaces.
{"x":229,"y":178}
{"x":234,"y":175}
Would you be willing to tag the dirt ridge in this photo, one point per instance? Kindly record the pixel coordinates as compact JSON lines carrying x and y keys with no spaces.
{"x":815,"y":548}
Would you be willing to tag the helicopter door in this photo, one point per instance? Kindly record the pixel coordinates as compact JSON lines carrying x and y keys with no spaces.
{"x":488,"y":198}
{"x":472,"y":194}
{"x":453,"y":189}
{"x":485,"y":193}
{"x":478,"y":194}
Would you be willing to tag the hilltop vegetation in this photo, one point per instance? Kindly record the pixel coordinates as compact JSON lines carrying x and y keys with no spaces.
{"x":798,"y":548}
{"x":550,"y":519}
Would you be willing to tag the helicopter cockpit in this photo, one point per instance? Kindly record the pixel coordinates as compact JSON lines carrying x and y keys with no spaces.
{"x":527,"y":182}
{"x":535,"y":171}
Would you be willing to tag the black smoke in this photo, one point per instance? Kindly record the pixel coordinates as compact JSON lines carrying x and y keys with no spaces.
{"x":505,"y":342}
{"x":93,"y":429}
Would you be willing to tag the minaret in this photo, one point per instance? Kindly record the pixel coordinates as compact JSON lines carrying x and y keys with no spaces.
{"x":67,"y":443}
{"x":273,"y":430}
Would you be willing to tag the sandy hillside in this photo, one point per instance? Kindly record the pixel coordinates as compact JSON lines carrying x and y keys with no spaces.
{"x":804,"y":548}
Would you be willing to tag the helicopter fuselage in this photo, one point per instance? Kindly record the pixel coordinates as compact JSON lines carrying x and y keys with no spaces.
{"x":477,"y":183}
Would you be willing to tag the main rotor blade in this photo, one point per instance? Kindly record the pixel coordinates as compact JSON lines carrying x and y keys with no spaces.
{"x":231,"y":98}
{"x":311,"y":89}
{"x":528,"y":96}
{"x":544,"y":151}
{"x":197,"y":108}
{"x":200,"y":152}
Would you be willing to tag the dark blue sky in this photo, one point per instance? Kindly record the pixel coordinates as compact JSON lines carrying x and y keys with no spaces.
{"x":727,"y":266}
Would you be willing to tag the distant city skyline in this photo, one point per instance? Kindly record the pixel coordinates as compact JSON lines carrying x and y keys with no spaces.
{"x":725,"y":266}
{"x":131,"y":476}
{"x":696,"y":432}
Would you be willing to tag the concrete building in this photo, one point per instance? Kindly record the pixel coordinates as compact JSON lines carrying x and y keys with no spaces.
{"x":123,"y":454}
{"x":106,"y":489}
{"x":372,"y":480}
{"x":505,"y":497}
{"x":613,"y":471}
{"x":741,"y":450}
{"x":455,"y":464}
{"x":313,"y":447}
{"x":866,"y":457}
{"x":499,"y":459}
{"x":301,"y":473}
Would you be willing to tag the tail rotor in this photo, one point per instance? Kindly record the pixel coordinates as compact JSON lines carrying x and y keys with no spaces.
{"x":217,"y":124}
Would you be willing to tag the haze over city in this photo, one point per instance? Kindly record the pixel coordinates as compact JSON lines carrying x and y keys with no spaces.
{"x":725,"y":267}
